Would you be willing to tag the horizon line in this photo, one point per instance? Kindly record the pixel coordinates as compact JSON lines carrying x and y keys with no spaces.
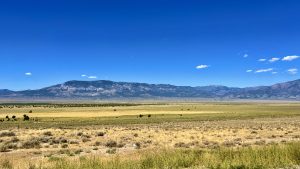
{"x":147,"y":83}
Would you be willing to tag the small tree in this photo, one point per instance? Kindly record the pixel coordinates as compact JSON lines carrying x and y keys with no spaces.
{"x":25,"y":117}
{"x":7,"y":117}
{"x":14,"y":117}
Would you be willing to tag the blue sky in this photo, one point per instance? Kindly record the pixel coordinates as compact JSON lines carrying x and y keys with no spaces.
{"x":193,"y":42}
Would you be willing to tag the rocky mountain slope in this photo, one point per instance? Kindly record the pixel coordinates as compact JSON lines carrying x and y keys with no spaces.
{"x":104,"y":89}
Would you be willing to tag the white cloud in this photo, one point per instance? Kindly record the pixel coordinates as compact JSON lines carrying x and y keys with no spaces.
{"x":28,"y":74}
{"x":92,"y":77}
{"x":290,"y":58}
{"x":263,"y":70}
{"x":248,"y":71}
{"x":274,"y":59}
{"x":274,"y":73}
{"x":293,"y":71}
{"x":262,"y":60}
{"x":245,"y":55}
{"x":202,"y":66}
{"x":88,"y":76}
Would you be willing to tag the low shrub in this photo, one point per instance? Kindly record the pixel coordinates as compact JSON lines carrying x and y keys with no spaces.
{"x":31,"y":143}
{"x":7,"y":134}
{"x":111,"y":144}
{"x":47,"y":133}
{"x":100,"y":134}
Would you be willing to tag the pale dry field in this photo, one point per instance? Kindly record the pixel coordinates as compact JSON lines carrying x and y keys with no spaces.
{"x":104,"y":112}
{"x":164,"y":108}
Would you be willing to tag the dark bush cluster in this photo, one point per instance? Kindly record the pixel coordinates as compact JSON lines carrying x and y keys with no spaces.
{"x":137,"y":145}
{"x":32,"y":143}
{"x":111,"y":144}
{"x":100,"y":134}
{"x":26,"y":118}
{"x":47,"y":133}
{"x":7,"y":134}
{"x":14,"y":118}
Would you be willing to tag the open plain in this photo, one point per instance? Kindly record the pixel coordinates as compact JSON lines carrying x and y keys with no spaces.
{"x":150,"y":135}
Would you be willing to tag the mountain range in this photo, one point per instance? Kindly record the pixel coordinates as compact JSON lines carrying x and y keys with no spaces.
{"x":104,"y":89}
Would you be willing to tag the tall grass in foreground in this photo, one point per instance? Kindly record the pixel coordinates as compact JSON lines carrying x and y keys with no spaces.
{"x":266,"y":157}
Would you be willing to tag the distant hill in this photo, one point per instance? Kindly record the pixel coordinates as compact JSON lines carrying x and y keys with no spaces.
{"x":103,"y":89}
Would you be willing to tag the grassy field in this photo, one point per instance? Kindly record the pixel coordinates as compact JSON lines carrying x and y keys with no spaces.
{"x":161,"y":135}
{"x":272,"y":156}
{"x":49,"y":115}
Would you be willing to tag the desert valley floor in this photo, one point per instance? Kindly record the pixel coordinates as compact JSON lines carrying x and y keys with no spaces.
{"x":150,"y":135}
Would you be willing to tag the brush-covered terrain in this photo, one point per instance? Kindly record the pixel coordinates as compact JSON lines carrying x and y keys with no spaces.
{"x":150,"y":135}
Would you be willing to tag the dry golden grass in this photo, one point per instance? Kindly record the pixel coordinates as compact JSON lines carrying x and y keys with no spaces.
{"x":191,"y":127}
{"x":171,"y":108}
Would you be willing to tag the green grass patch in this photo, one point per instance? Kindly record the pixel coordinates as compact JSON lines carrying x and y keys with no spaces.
{"x":267,"y":157}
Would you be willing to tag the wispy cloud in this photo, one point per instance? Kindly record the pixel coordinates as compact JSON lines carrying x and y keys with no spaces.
{"x":28,"y":74}
{"x":293,"y":71}
{"x":262,"y":60}
{"x":202,"y":66}
{"x":273,"y":60}
{"x":245,"y":55}
{"x":290,"y":58}
{"x":274,"y":73}
{"x":264,"y":70}
{"x":88,"y":76}
{"x":92,"y":77}
{"x":248,"y":71}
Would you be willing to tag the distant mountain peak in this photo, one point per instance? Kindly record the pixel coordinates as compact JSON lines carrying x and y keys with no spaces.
{"x":103,"y":89}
